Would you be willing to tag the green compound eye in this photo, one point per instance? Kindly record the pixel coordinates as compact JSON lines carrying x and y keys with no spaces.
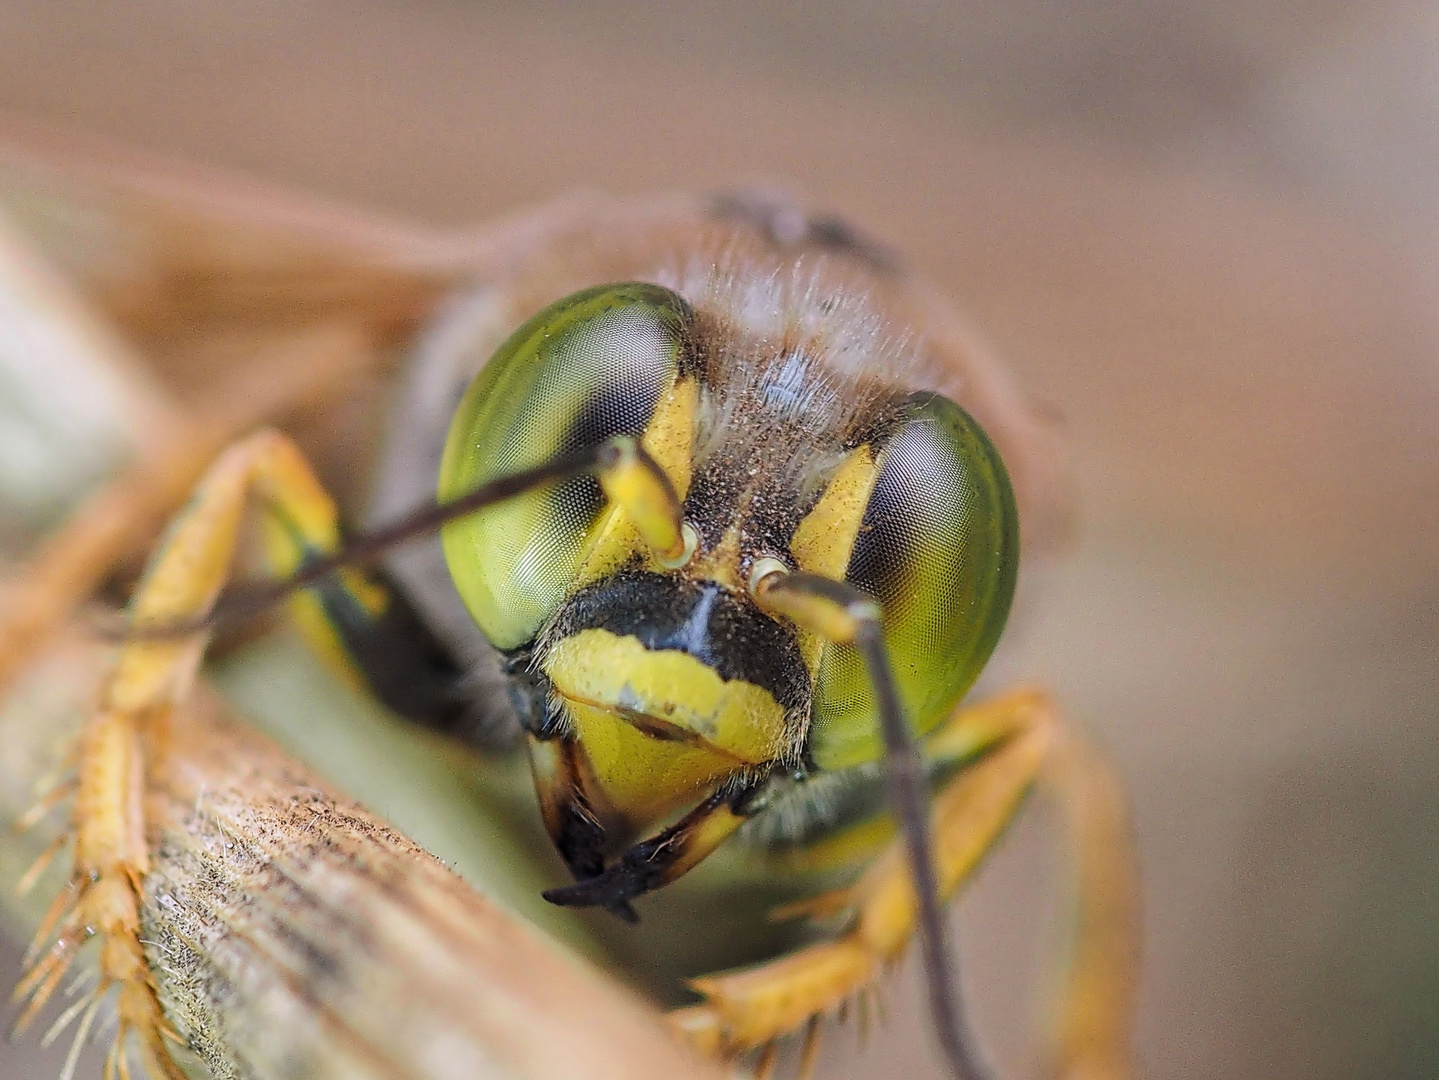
{"x":939,"y":549}
{"x":592,"y":366}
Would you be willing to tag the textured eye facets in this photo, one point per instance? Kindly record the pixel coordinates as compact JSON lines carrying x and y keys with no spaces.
{"x":939,"y":549}
{"x":587,"y":368}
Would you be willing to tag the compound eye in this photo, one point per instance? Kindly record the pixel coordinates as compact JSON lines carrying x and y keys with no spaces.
{"x":592,"y":366}
{"x":938,"y":547}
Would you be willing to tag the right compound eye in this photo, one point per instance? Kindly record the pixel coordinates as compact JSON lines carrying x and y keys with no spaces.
{"x":595,"y":365}
{"x":938,"y":548}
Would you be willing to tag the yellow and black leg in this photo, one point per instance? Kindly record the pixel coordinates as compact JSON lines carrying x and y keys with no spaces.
{"x":1005,"y":747}
{"x":372,"y":634}
{"x":124,"y":744}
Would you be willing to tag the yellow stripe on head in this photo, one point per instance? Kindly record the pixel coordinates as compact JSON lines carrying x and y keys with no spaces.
{"x":659,"y":726}
{"x":824,"y":540}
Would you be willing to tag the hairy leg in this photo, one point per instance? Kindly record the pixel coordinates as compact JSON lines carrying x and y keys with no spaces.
{"x":1021,"y":744}
{"x":124,"y":743}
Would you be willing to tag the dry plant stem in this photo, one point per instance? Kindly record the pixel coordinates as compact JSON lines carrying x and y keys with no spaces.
{"x":302,"y":937}
{"x":122,"y":518}
{"x":292,"y":934}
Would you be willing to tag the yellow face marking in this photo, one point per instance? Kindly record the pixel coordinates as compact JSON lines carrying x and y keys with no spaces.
{"x":659,"y":726}
{"x":670,"y":688}
{"x":670,"y":436}
{"x":641,"y":777}
{"x":668,"y":440}
{"x":824,"y":540}
{"x":721,"y":563}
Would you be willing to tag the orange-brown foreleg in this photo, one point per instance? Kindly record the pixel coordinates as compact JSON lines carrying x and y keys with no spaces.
{"x":747,"y":1009}
{"x":122,"y":747}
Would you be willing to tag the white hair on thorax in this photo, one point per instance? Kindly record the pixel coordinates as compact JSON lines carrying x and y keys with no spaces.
{"x":797,"y":353}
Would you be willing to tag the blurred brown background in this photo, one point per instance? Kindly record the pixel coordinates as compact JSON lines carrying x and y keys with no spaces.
{"x":1206,"y":233}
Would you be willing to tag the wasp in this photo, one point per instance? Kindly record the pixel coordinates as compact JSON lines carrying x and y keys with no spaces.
{"x":710,"y":512}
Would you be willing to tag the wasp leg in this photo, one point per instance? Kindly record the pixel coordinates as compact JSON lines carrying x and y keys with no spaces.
{"x":119,"y":519}
{"x":122,"y":748}
{"x":1020,"y":742}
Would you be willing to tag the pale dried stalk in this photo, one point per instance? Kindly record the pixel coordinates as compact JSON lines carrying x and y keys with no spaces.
{"x":293,"y":934}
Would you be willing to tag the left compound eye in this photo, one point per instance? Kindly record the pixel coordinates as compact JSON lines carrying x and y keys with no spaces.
{"x":938,"y":547}
{"x":592,"y":366}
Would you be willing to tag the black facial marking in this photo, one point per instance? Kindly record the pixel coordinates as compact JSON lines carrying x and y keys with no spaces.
{"x":880,"y":422}
{"x":721,"y":629}
{"x":709,"y":505}
{"x":756,"y":493}
{"x":772,"y":519}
